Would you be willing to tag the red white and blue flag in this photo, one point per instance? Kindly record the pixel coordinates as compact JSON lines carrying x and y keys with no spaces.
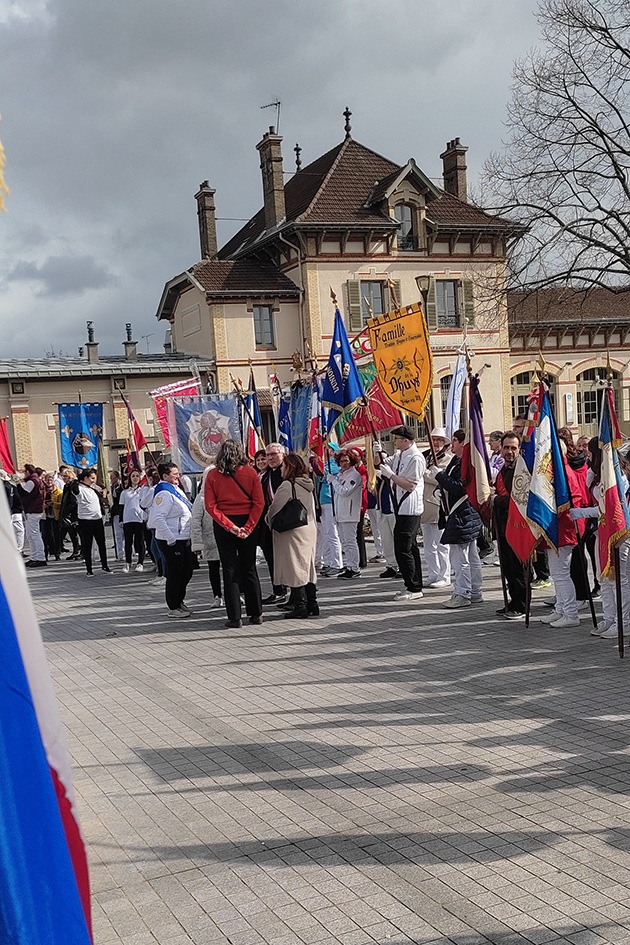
{"x":475,"y":465}
{"x":316,"y":427}
{"x":45,"y":891}
{"x":549,"y":492}
{"x":614,"y":519}
{"x":252,"y":425}
{"x":518,"y":531}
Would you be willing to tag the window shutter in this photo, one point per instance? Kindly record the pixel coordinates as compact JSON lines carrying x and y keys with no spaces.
{"x":431,"y":312}
{"x":354,"y":305}
{"x":468,"y":306}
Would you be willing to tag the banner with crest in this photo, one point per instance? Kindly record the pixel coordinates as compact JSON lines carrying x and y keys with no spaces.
{"x":402,"y":355}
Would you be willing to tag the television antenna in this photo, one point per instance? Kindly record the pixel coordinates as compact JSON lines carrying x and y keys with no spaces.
{"x":146,"y":338}
{"x":277,"y":104}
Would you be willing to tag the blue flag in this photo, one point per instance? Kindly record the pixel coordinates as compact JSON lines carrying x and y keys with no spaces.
{"x":80,"y":428}
{"x":197,"y":427}
{"x":300,"y":415}
{"x":284,"y":424}
{"x":549,"y":488}
{"x":342,"y":383}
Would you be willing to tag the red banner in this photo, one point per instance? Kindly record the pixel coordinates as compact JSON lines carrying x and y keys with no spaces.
{"x":5,"y":451}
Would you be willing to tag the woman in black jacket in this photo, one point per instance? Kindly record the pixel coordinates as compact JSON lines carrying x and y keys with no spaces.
{"x":461,"y":529}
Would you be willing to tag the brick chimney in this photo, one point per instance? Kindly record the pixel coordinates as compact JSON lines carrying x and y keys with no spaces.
{"x":207,"y":220}
{"x":92,"y":346}
{"x":272,"y":177}
{"x":454,"y":164}
{"x":130,"y":346}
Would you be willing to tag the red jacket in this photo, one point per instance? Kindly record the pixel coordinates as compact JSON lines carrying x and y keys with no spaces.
{"x":224,"y":497}
{"x":567,"y":534}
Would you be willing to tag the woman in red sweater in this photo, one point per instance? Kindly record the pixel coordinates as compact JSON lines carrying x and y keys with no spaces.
{"x":234,"y":498}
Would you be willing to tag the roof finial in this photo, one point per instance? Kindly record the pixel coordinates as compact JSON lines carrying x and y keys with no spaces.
{"x":348,"y":127}
{"x":298,"y":162}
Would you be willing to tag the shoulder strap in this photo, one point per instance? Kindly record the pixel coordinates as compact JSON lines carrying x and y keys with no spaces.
{"x":244,"y":491}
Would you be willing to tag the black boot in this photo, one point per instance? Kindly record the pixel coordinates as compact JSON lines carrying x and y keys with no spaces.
{"x":298,"y":595}
{"x":312,"y":607}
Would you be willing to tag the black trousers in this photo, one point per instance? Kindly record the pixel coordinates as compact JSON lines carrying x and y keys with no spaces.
{"x":134,"y":536}
{"x":407,"y":551}
{"x":180,"y":564}
{"x":541,"y":565}
{"x":51,"y":537}
{"x":361,"y":541}
{"x":214,"y":576}
{"x":265,"y":540}
{"x":514,"y":574}
{"x":72,"y":531}
{"x":238,"y":559}
{"x":579,"y":574}
{"x":92,"y":529}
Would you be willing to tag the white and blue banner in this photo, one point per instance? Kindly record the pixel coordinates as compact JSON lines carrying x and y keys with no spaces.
{"x":80,"y":428}
{"x":284,"y":424}
{"x":197,"y":427}
{"x":454,"y":401}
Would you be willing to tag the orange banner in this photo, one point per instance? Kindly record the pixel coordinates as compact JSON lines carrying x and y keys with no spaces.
{"x":403,"y":359}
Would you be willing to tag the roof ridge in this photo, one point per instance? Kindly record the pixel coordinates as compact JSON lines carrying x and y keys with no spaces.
{"x":335,"y":163}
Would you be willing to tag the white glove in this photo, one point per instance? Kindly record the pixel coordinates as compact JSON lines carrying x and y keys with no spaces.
{"x":377,"y":447}
{"x":330,"y":477}
{"x":386,"y":472}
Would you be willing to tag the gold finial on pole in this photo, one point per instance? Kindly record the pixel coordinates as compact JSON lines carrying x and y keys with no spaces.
{"x":333,"y":297}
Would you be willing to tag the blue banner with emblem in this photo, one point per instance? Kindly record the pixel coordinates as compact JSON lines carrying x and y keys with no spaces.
{"x":198,"y":425}
{"x":80,"y":428}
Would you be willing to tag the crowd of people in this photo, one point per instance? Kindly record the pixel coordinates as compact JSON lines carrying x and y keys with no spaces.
{"x":306,"y":520}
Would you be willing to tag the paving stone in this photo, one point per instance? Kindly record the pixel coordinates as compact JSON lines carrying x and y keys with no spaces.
{"x":378,"y":774}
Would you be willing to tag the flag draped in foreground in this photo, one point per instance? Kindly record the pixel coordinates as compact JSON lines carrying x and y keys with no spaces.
{"x":518,"y":531}
{"x":614,"y":521}
{"x":342,"y":385}
{"x":475,"y":465}
{"x":549,"y":488}
{"x":44,"y":893}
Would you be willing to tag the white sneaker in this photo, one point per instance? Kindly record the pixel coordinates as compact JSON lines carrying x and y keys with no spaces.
{"x":441,"y":583}
{"x":601,"y":627}
{"x":611,"y":633}
{"x":216,"y":603}
{"x":456,"y":601}
{"x":139,"y":567}
{"x":548,"y":601}
{"x":179,"y":613}
{"x":477,"y":600}
{"x":126,"y":569}
{"x":185,"y":607}
{"x":563,"y":622}
{"x":583,"y":604}
{"x":158,"y":582}
{"x":550,"y":618}
{"x":408,"y":595}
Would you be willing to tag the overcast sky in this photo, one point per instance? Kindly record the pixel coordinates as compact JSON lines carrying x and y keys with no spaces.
{"x":113,"y":112}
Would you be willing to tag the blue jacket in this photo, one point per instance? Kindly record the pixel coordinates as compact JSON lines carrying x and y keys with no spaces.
{"x":463,"y":523}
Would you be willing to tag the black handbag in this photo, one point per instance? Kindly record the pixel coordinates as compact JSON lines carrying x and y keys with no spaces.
{"x":291,"y":515}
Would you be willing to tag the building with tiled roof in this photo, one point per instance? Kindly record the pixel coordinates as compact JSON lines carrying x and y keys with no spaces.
{"x":352,"y":222}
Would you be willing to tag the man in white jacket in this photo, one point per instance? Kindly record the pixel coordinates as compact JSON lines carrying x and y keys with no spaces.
{"x":405,"y":471}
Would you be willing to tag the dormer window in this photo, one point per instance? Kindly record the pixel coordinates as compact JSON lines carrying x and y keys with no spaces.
{"x":405,"y":213}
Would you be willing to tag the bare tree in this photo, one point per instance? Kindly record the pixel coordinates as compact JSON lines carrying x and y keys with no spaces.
{"x":564,"y":171}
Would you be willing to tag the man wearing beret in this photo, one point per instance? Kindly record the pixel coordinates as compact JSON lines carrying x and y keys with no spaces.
{"x":405,"y":471}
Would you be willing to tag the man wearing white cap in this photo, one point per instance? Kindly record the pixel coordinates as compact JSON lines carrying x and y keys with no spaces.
{"x":436,"y":555}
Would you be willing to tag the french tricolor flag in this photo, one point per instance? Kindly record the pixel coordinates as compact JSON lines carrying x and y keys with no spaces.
{"x":44,"y":890}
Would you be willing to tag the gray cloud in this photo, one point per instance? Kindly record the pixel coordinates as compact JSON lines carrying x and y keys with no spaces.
{"x":112,"y":113}
{"x":62,"y":276}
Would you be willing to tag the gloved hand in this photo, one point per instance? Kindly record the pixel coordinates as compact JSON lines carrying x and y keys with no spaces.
{"x":377,"y":447}
{"x":386,"y":472}
{"x":330,"y":477}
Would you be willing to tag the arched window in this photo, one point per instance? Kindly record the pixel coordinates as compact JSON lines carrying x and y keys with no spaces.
{"x":405,"y":213}
{"x":590,"y":385}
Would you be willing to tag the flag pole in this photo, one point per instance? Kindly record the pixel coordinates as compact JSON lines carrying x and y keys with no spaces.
{"x":243,"y":404}
{"x":619,"y":601}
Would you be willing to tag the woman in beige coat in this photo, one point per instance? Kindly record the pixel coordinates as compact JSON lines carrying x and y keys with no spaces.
{"x":294,"y":550}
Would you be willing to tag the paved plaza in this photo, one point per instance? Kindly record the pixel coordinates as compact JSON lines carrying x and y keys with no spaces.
{"x":388,"y":773}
